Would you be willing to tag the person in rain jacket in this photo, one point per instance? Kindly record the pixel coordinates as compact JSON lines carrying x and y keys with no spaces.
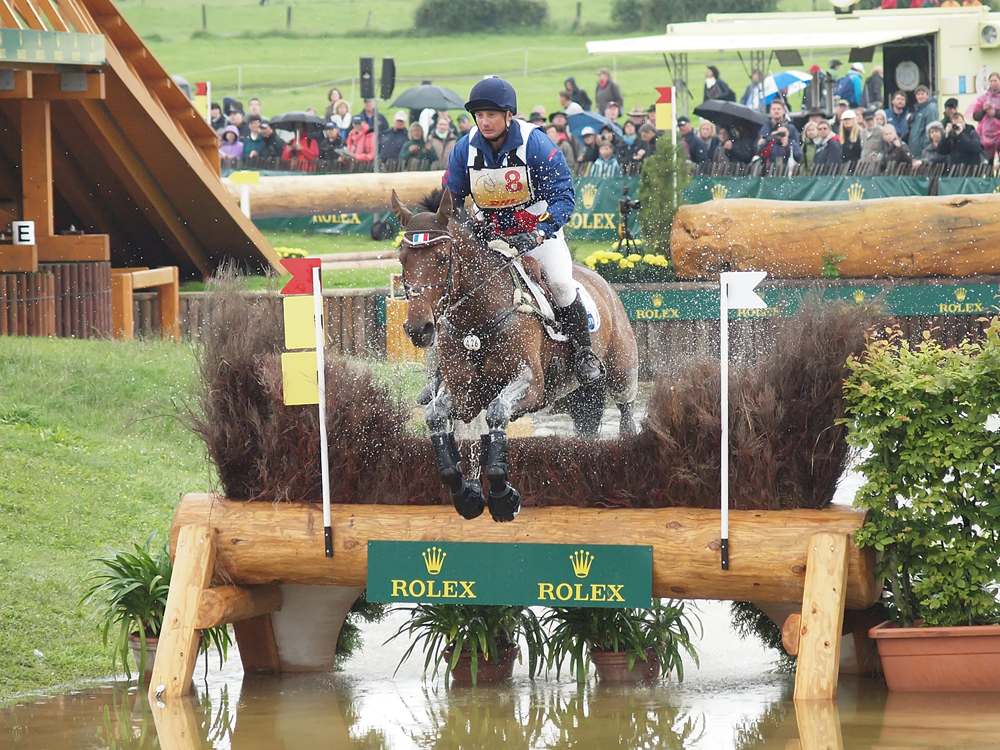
{"x":924,"y":113}
{"x":850,"y":86}
{"x":985,"y":110}
{"x":962,"y":143}
{"x":577,"y":94}
{"x":231,"y":146}
{"x":522,"y":186}
{"x":716,"y":88}
{"x":360,"y":141}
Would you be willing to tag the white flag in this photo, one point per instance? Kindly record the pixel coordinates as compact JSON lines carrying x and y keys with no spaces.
{"x":738,"y":289}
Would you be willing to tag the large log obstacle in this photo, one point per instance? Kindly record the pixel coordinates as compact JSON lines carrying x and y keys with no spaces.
{"x":910,"y":237}
{"x":793,"y":557}
{"x":295,"y":195}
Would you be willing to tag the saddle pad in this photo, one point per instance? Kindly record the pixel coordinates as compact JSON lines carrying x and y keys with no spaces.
{"x":593,"y":314}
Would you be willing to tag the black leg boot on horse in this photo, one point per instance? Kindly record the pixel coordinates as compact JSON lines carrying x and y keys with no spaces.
{"x":574,"y":322}
{"x":504,"y":499}
{"x":467,"y":495}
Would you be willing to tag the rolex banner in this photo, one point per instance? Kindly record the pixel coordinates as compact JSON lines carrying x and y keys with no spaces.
{"x":702,"y":189}
{"x":554,"y":575}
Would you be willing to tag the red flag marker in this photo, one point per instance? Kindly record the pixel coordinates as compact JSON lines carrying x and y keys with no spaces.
{"x":666,"y":94}
{"x":302,"y":275}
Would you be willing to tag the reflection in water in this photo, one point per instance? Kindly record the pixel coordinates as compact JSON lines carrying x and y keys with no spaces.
{"x":307,"y":711}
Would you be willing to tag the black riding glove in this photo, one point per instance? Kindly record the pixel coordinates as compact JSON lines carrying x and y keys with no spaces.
{"x":524,"y":242}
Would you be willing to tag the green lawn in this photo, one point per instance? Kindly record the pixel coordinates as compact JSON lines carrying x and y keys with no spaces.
{"x":247,"y":51}
{"x":92,"y":458}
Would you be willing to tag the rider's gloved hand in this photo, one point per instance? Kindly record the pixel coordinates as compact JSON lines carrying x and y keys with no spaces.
{"x":524,"y":242}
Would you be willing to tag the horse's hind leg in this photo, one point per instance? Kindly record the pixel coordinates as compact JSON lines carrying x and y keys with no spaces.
{"x":624,"y":387}
{"x":504,"y":499}
{"x":626,"y":424}
{"x":467,"y":495}
{"x":586,"y":407}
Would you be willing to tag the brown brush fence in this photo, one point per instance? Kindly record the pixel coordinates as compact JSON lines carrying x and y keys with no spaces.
{"x":67,"y":300}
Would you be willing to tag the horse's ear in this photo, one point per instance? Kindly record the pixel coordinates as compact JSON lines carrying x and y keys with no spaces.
{"x":445,"y":209}
{"x":402,"y":212}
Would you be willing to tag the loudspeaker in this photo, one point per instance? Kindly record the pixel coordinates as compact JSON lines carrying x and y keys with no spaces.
{"x":388,"y":76}
{"x":367,"y":77}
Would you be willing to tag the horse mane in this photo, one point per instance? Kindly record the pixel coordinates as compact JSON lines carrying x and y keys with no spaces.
{"x":432,"y":202}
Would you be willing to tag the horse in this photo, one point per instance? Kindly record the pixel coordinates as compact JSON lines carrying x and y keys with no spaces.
{"x":498,"y":349}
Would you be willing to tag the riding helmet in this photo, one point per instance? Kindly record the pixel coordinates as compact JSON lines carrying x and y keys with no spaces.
{"x":492,"y":94}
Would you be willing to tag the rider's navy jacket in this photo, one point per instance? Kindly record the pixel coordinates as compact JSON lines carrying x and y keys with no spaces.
{"x":551,"y":178}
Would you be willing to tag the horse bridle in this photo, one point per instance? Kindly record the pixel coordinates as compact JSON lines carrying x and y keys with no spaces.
{"x":434,"y":237}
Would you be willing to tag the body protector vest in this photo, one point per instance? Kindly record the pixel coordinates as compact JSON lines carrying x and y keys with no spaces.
{"x":507,"y":190}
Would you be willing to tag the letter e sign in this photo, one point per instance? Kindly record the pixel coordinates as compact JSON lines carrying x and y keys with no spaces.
{"x":24,"y":232}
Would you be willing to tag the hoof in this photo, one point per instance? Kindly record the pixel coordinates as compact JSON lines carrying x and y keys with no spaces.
{"x":505,"y":506}
{"x":469,"y":500}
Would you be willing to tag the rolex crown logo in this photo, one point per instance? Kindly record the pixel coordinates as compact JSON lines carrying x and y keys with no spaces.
{"x":719,"y":191}
{"x":859,"y":295}
{"x":657,"y":300}
{"x":434,"y":559}
{"x":855,"y":192}
{"x":996,"y":189}
{"x":582,"y":560}
{"x":589,"y":192}
{"x":960,"y":294}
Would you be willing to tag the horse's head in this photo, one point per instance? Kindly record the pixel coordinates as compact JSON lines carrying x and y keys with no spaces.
{"x":426,"y":256}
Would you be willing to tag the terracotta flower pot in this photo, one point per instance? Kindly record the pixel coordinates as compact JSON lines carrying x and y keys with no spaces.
{"x":964,"y":658}
{"x":488,"y":672}
{"x":612,"y":667}
{"x":136,"y":645}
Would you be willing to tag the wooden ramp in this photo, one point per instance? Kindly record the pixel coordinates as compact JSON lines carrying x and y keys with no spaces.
{"x":96,"y":136}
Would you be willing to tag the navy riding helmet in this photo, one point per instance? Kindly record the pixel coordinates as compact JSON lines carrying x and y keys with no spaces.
{"x":492,"y":94}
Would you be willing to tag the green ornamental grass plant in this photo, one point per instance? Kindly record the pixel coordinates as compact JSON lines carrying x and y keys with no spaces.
{"x":445,"y":630}
{"x":129,"y":593}
{"x":921,"y":413}
{"x":663,"y":631}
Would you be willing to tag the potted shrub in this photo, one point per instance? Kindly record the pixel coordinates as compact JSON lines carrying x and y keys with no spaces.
{"x":931,"y":489}
{"x":479,"y":643}
{"x":624,"y":644}
{"x":129,"y":591}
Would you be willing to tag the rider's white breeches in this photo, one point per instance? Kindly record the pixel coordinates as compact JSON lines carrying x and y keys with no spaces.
{"x":556,"y":262}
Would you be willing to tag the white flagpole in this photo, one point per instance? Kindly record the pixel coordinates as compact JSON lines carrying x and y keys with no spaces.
{"x":724,"y":460}
{"x":321,"y":383}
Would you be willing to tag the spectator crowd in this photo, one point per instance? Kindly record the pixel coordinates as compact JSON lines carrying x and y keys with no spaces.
{"x":905,"y":132}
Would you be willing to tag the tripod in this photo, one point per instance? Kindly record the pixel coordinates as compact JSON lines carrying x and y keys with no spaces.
{"x":626,"y":240}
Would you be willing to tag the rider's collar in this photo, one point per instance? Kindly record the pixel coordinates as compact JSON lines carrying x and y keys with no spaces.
{"x":424,"y":239}
{"x":510,"y":143}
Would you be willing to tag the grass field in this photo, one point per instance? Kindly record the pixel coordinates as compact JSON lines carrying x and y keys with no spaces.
{"x":247,"y":51}
{"x":94,"y":458}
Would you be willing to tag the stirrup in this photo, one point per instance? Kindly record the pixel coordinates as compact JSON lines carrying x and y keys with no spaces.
{"x":586,"y":366}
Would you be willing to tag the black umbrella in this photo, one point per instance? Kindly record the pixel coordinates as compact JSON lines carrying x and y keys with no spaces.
{"x":289,"y":120}
{"x":429,"y":97}
{"x":726,"y":114}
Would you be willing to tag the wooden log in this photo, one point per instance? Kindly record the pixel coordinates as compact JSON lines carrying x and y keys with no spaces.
{"x":223,"y":605}
{"x":822,"y":618}
{"x":790,"y":633}
{"x":257,"y":645}
{"x":908,"y":237}
{"x":177,"y":651}
{"x":265,"y":543}
{"x":335,"y":193}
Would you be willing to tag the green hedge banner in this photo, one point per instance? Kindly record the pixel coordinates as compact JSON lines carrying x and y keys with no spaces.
{"x":326,"y":223}
{"x":967,"y":185}
{"x":702,"y":189}
{"x":903,"y":300}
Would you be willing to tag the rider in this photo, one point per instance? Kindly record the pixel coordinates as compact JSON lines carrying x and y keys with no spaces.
{"x":521,"y":184}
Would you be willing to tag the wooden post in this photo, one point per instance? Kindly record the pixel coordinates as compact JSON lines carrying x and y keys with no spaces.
{"x":121,"y":305}
{"x":177,"y":650}
{"x":36,"y":165}
{"x":257,"y":645}
{"x":823,"y":599}
{"x":169,"y":296}
{"x":176,"y":724}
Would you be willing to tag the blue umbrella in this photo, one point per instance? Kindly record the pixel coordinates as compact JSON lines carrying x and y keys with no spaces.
{"x":793,"y":80}
{"x":593,"y":120}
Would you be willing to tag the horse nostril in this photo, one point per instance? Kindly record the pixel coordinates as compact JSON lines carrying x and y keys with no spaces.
{"x":427,"y":331}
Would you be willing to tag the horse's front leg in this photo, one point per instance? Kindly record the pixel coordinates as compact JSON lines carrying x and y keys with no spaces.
{"x":467,"y":495}
{"x":521,"y":395}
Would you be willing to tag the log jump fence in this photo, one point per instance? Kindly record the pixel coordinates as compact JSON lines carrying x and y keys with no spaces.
{"x":270,"y":569}
{"x":67,"y":300}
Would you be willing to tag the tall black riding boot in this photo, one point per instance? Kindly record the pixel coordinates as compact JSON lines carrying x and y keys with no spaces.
{"x":575,"y":325}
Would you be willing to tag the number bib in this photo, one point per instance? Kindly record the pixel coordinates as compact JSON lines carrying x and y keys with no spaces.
{"x":503,"y":187}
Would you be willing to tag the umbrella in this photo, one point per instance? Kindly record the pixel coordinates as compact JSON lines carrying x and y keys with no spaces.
{"x":289,"y":120}
{"x":592,"y":119}
{"x":429,"y":97}
{"x":726,"y":114}
{"x":792,"y":80}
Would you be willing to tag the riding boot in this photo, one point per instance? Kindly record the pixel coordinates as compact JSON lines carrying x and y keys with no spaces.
{"x":576,"y":326}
